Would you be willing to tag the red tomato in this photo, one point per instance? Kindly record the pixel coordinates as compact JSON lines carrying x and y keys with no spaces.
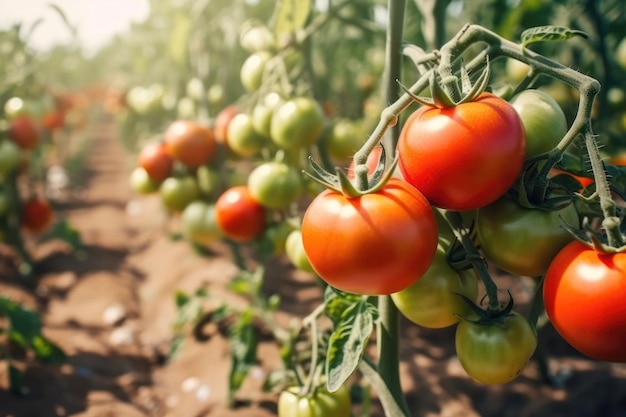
{"x":25,"y":132}
{"x":378,"y":243}
{"x":463,"y":157}
{"x":157,"y":162}
{"x":584,"y":293}
{"x":36,"y":215}
{"x":53,"y":119}
{"x":222,"y":121}
{"x":240,"y":216}
{"x":189,"y":142}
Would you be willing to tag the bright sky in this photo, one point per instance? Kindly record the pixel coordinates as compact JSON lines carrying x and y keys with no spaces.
{"x":96,"y":20}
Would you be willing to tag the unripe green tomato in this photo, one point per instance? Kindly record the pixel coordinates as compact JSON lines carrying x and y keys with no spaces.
{"x":177,"y":192}
{"x":516,"y":70}
{"x":345,"y":138}
{"x":256,"y":37}
{"x":263,"y":112}
{"x":186,"y":108}
{"x":297,"y":123}
{"x":544,"y":122}
{"x":141,"y":182}
{"x":434,"y":301}
{"x":215,"y":94}
{"x":242,"y":138}
{"x":294,"y":248}
{"x":10,"y":157}
{"x":199,"y":224}
{"x":253,"y":69}
{"x":275,"y":237}
{"x":195,"y":89}
{"x":319,"y":404}
{"x":275,"y":185}
{"x":208,"y":180}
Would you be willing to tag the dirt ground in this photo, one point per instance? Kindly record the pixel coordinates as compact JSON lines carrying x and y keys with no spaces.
{"x":112,"y":309}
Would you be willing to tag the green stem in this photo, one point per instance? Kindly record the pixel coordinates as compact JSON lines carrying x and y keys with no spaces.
{"x":391,"y":407}
{"x":478,"y":262}
{"x":388,"y":332}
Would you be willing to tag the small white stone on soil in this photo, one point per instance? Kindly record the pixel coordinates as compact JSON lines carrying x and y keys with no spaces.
{"x":190,"y":384}
{"x":121,"y":336}
{"x":203,"y":393}
{"x":114,"y":315}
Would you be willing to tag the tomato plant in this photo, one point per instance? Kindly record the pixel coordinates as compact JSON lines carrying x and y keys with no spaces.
{"x":463,"y":157}
{"x":543,"y":119}
{"x":522,"y":240}
{"x":275,"y":185}
{"x":36,"y":215}
{"x":345,"y":138}
{"x":321,"y":403}
{"x":584,"y":294}
{"x":141,"y":182}
{"x":222,"y":120}
{"x":10,"y":157}
{"x":155,"y":159}
{"x":495,"y":353}
{"x":189,"y":142}
{"x":353,"y":253}
{"x":239,"y":215}
{"x":253,"y":69}
{"x":297,"y":123}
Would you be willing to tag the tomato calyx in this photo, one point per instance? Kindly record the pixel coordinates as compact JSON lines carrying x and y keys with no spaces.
{"x":446,"y":91}
{"x":489,"y":316}
{"x":361,"y":185}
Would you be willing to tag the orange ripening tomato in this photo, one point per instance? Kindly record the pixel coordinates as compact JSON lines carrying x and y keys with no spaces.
{"x":189,"y":142}
{"x":374,"y":244}
{"x":239,"y":215}
{"x":156,"y":161}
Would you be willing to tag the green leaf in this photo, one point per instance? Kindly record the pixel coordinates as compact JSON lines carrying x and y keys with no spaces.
{"x":348,"y":342}
{"x":243,"y":345}
{"x":64,"y":232}
{"x":25,"y":324}
{"x":337,"y":302}
{"x":47,"y":351}
{"x":290,"y":16}
{"x":549,"y":34}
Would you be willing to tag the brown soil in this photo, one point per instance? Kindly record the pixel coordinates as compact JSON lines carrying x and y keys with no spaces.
{"x":118,"y":369}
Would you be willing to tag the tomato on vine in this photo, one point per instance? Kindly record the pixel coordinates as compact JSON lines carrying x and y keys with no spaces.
{"x":178,"y":192}
{"x":25,"y":132}
{"x":465,"y":156}
{"x":239,"y":215}
{"x":373,"y":244}
{"x":584,"y":293}
{"x":321,"y":403}
{"x":189,"y":142}
{"x":36,"y":215}
{"x":495,"y":353}
{"x":275,"y":185}
{"x":156,"y":161}
{"x":521,"y":240}
{"x":297,"y":123}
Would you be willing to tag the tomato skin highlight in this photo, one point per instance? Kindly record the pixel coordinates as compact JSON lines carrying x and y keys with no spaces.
{"x":584,"y":293}
{"x":495,"y":353}
{"x":378,"y":243}
{"x":464,"y":157}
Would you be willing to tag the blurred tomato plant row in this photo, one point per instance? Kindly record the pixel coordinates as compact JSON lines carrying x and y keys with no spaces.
{"x":390,"y":151}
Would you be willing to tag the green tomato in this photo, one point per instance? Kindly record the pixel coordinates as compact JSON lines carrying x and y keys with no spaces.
{"x":297,"y":123}
{"x":275,"y":185}
{"x":433,"y":301}
{"x":495,"y":353}
{"x":141,"y":182}
{"x":256,"y":37}
{"x":208,"y":180}
{"x":195,"y":88}
{"x":10,"y":157}
{"x":178,"y":192}
{"x":242,"y":138}
{"x":263,"y":112}
{"x":319,"y":404}
{"x":345,"y":138}
{"x":199,"y":223}
{"x":275,"y":237}
{"x":520,"y":240}
{"x":294,"y":248}
{"x":543,"y":119}
{"x":253,"y":69}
